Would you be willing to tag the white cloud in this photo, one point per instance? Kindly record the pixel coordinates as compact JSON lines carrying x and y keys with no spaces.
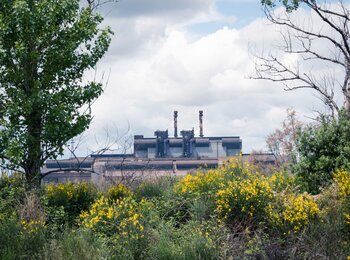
{"x":157,"y":66}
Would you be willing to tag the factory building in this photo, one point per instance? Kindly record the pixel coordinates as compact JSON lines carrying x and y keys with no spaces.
{"x":187,"y":145}
{"x":161,"y":155}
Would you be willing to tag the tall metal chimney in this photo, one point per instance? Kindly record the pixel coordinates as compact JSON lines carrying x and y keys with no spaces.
{"x":201,"y":123}
{"x":175,"y":124}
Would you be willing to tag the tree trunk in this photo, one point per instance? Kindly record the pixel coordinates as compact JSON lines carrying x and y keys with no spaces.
{"x":347,"y":96}
{"x":33,"y":160}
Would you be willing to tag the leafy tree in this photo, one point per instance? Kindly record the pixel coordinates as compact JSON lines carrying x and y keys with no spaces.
{"x":323,"y":149}
{"x":45,"y":48}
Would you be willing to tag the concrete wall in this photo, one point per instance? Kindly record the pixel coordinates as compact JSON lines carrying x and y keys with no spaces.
{"x":175,"y":152}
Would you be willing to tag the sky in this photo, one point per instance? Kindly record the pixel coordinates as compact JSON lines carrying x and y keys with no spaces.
{"x":189,"y":55}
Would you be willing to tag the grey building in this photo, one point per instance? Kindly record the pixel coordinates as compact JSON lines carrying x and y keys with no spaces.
{"x":159,"y":155}
{"x":186,"y":146}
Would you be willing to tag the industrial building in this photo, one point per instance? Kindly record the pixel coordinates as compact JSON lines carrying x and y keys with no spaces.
{"x":187,"y":145}
{"x":158,"y":155}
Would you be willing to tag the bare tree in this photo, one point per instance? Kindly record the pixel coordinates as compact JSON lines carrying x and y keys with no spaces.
{"x":307,"y":41}
{"x":282,"y":142}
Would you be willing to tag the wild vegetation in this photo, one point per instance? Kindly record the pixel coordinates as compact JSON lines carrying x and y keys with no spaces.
{"x":300,"y":210}
{"x":234,"y":211}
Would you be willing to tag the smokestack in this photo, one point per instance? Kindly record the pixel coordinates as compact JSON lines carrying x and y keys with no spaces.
{"x":175,"y":124}
{"x":201,"y":123}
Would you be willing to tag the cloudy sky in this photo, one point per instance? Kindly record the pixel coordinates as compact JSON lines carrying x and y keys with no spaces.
{"x":190,"y":55}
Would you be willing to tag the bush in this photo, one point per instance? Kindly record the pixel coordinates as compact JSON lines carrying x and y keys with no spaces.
{"x":69,"y":198}
{"x":291,"y":212}
{"x":283,"y":181}
{"x":201,"y":183}
{"x":119,"y":221}
{"x":327,"y":237}
{"x":155,"y":188}
{"x":323,"y":149}
{"x":79,"y":244}
{"x":244,"y":199}
{"x":209,"y":182}
{"x":21,"y":240}
{"x":195,"y":240}
{"x":12,"y":192}
{"x":119,"y":191}
{"x":175,"y":208}
{"x":342,"y":181}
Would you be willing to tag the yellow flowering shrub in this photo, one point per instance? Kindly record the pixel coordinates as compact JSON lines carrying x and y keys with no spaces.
{"x":342,"y":180}
{"x":235,"y":167}
{"x":201,"y":182}
{"x":72,"y":197}
{"x":244,"y":198}
{"x":119,"y":219}
{"x":282,"y":181}
{"x":209,"y":182}
{"x":33,"y":226}
{"x":118,"y":192}
{"x":291,"y":211}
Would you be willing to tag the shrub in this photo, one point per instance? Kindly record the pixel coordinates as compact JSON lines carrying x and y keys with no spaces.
{"x":209,"y":182}
{"x":120,"y":221}
{"x":244,"y":199}
{"x":21,"y":241}
{"x":291,"y":211}
{"x":79,"y":244}
{"x":283,"y":181}
{"x":202,"y":208}
{"x":72,"y":198}
{"x":175,"y":208}
{"x":12,"y":192}
{"x":325,"y":237}
{"x":342,"y":180}
{"x":201,"y":183}
{"x":155,"y":188}
{"x":119,"y":191}
{"x":323,"y":149}
{"x":195,"y":240}
{"x":31,"y":209}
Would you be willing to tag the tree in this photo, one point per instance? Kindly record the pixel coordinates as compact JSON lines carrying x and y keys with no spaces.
{"x":282,"y":142}
{"x":45,"y":48}
{"x":323,"y":148}
{"x":307,"y":41}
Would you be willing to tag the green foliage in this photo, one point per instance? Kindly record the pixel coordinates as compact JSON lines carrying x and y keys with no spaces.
{"x":120,"y":221}
{"x":283,"y":181}
{"x":45,"y":48}
{"x":176,"y":208}
{"x":192,"y":241}
{"x":289,"y":4}
{"x":80,"y":244}
{"x":250,"y":216}
{"x":291,"y":212}
{"x":65,"y":201}
{"x":342,"y":182}
{"x":154,"y":188}
{"x":323,"y":149}
{"x":244,"y":199}
{"x":19,"y":243}
{"x":119,"y":191}
{"x":12,"y":192}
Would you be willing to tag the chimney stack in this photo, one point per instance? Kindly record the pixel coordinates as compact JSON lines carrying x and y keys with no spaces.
{"x":201,"y":123}
{"x":175,"y":124}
